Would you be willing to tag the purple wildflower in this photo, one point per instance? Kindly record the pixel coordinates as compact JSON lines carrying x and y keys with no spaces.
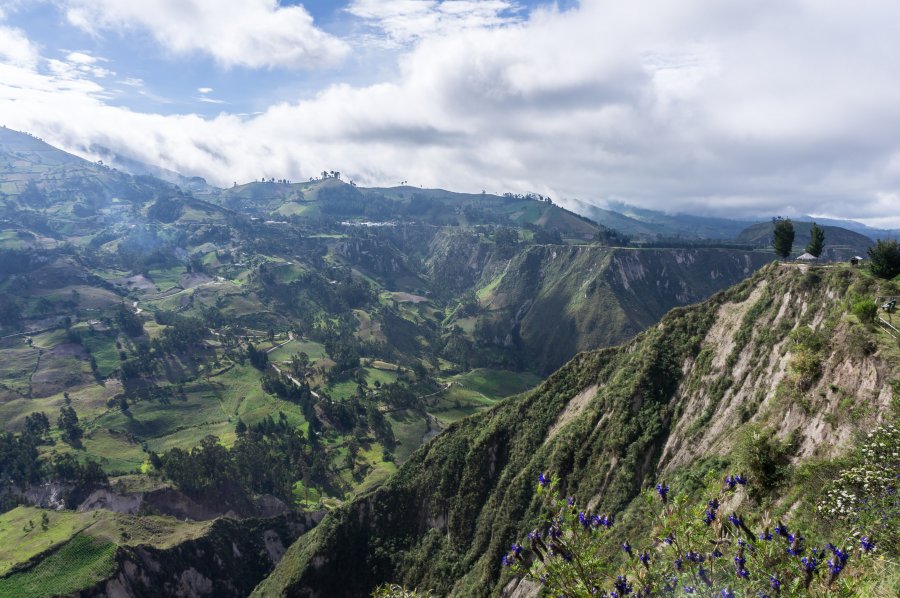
{"x":775,"y":583}
{"x":626,"y":547}
{"x":543,"y":480}
{"x":663,"y":490}
{"x":622,"y":586}
{"x":867,"y":544}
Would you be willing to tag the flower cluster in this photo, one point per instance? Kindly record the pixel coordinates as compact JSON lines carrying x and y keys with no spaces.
{"x":692,"y":551}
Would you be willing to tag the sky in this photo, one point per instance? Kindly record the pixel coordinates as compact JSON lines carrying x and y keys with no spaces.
{"x":729,"y":108}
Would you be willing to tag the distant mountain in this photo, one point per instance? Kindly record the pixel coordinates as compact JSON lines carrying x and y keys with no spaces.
{"x":332,"y":197}
{"x":840,"y":243}
{"x":857,"y":227}
{"x":650,"y":225}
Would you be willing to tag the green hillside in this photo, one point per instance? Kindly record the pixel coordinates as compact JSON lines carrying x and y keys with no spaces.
{"x":778,"y":359}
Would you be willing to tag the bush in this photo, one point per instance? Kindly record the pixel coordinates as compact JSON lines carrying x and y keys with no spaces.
{"x":764,"y":458}
{"x":866,"y":494}
{"x":865,"y":309}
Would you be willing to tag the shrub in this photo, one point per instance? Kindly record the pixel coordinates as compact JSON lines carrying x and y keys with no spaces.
{"x":865,"y":309}
{"x":765,"y":458}
{"x":866,"y":494}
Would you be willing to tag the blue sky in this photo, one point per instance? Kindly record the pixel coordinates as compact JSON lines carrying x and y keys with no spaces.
{"x":170,"y":83}
{"x":720,"y":107}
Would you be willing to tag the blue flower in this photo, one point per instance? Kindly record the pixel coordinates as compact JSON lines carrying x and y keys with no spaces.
{"x":584,"y":520}
{"x":678,"y":564}
{"x":607,"y":521}
{"x":622,"y":585}
{"x":543,"y":481}
{"x":507,"y":560}
{"x":716,"y":553}
{"x":645,"y":558}
{"x":740,"y":479}
{"x":710,"y":517}
{"x":796,"y":544}
{"x":626,"y":547}
{"x":571,"y":501}
{"x":781,"y":530}
{"x":809,"y":564}
{"x":727,"y":593}
{"x":775,"y":583}
{"x":534,"y":535}
{"x":730,"y":482}
{"x":662,"y":490}
{"x":841,"y":555}
{"x":689,"y":589}
{"x":736,"y":520}
{"x":765,"y":535}
{"x":867,"y":544}
{"x":669,"y":539}
{"x":835,"y":566}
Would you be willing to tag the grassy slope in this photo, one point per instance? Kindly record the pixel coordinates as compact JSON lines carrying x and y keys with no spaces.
{"x":444,"y":520}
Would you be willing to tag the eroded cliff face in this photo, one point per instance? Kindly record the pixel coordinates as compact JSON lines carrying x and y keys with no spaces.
{"x":756,"y":375}
{"x":778,"y":353}
{"x":229,"y":560}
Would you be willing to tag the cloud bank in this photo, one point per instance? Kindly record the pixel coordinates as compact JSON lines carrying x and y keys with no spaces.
{"x":726,"y":108}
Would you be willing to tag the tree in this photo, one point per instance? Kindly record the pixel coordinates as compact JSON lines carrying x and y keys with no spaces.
{"x":258,"y":357}
{"x":68,"y":425}
{"x":240,"y":428}
{"x":783,"y":236}
{"x":884,"y":258}
{"x":816,"y":240}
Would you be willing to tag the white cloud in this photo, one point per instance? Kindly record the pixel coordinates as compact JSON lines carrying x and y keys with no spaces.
{"x":81,"y":58}
{"x":406,"y":21}
{"x":702,"y":106}
{"x":204,"y":90}
{"x":16,"y":48}
{"x":247,"y":33}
